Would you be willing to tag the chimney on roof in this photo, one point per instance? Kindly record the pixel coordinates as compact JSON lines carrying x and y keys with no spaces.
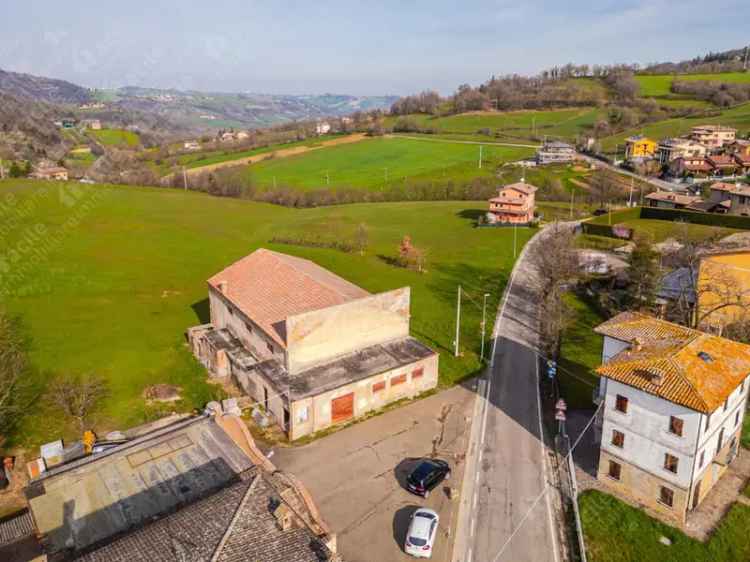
{"x":223,"y":286}
{"x":284,"y":517}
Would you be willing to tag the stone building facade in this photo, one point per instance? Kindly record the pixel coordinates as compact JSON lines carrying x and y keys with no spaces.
{"x":309,"y":347}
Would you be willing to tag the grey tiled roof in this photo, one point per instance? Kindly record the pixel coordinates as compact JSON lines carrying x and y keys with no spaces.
{"x":16,"y":528}
{"x":234,"y":525}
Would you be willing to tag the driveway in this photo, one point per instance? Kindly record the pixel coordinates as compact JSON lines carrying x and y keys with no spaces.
{"x":356,"y":475}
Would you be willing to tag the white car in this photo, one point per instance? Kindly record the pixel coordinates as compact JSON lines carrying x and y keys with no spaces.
{"x":420,"y":538}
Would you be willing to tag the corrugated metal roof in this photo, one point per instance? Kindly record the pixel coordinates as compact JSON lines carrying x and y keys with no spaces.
{"x":685,"y":366}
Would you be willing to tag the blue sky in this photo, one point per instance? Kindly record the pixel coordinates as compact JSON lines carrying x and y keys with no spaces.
{"x":375,"y":47}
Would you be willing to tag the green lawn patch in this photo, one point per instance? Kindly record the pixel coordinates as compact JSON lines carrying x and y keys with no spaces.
{"x":659,"y":85}
{"x":114,"y":292}
{"x":382,"y":163}
{"x":116,"y":137}
{"x":580,"y":354}
{"x":616,"y":532}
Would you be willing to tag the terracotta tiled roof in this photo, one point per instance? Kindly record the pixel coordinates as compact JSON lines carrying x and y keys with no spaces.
{"x":685,"y":366}
{"x":508,"y":200}
{"x":673,"y":197}
{"x":269,"y":286}
{"x":523,"y":187}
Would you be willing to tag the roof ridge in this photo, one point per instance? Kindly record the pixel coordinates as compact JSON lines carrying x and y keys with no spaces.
{"x":228,"y":531}
{"x":327,"y":286}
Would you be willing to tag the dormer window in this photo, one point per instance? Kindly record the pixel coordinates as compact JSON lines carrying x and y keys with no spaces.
{"x":705,"y":357}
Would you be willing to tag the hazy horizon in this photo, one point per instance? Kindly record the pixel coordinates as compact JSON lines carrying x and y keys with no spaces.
{"x":389,"y":48}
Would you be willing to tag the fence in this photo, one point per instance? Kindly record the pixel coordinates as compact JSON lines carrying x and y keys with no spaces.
{"x":569,"y":485}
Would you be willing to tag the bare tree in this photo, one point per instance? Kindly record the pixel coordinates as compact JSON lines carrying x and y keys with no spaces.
{"x":604,"y":187}
{"x":78,"y":396}
{"x":14,"y":371}
{"x":410,"y":256}
{"x":643,"y":273}
{"x":361,"y":238}
{"x":556,"y":265}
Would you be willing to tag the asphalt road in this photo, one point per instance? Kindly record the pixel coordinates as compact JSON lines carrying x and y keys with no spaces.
{"x":506,"y":515}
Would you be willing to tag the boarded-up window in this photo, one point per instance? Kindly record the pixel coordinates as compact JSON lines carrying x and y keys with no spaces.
{"x":671,"y":462}
{"x":666,"y":496}
{"x":378,"y":387}
{"x":618,"y":438}
{"x":621,"y":404}
{"x":614,"y":470}
{"x":675,"y":425}
{"x":400,"y":379}
{"x":417,"y":373}
{"x":342,"y":408}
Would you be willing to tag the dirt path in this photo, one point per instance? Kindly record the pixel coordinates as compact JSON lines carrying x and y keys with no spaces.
{"x":281,"y":153}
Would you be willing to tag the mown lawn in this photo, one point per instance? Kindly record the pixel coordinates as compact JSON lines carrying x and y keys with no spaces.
{"x":580,"y":354}
{"x":661,"y":84}
{"x":616,"y":532}
{"x":521,"y":126}
{"x":382,"y":162}
{"x":116,"y":137}
{"x":114,"y":291}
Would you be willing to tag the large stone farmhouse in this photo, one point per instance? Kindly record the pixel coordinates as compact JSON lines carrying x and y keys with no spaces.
{"x":674,"y":402}
{"x":313,"y":349}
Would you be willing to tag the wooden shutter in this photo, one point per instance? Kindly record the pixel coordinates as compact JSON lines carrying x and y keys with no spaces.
{"x":342,"y":408}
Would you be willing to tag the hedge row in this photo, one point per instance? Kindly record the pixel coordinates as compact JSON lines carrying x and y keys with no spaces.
{"x":710,"y":219}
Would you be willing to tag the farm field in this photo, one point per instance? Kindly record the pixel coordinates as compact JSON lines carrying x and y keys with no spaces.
{"x":113,"y":293}
{"x":659,"y":85}
{"x":738,"y":117}
{"x":382,"y":162}
{"x":617,"y":532}
{"x":510,"y":126}
{"x":660,"y":230}
{"x":116,"y":137}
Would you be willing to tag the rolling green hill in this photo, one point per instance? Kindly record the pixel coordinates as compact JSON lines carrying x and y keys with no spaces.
{"x":116,"y":137}
{"x":659,"y":85}
{"x":113,"y":292}
{"x":381,"y":162}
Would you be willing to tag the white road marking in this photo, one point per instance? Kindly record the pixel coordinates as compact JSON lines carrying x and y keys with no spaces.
{"x":473,"y":525}
{"x":468,"y":555}
{"x":474,"y":503}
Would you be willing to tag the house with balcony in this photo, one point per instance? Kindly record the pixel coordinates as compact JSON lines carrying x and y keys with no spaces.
{"x":735,"y":197}
{"x":309,"y":347}
{"x":713,"y":136}
{"x":671,"y":200}
{"x":639,"y":147}
{"x":673,"y":148}
{"x":672,"y":402}
{"x":555,"y":152}
{"x":513,"y":204}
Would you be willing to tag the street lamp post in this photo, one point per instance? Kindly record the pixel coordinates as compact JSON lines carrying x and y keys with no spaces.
{"x":484,"y":324}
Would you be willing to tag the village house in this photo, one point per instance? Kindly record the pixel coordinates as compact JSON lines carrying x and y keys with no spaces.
{"x":671,"y":149}
{"x":243,"y":135}
{"x":180,"y":488}
{"x":322,"y":128}
{"x":553,"y":152}
{"x":191,"y":145}
{"x":713,"y":136}
{"x":513,"y":204}
{"x":722,"y":164}
{"x":696,"y":167}
{"x":93,"y":124}
{"x":734,"y":196}
{"x":671,"y":200}
{"x":50,"y":173}
{"x":308,"y":346}
{"x":639,"y":147}
{"x":673,"y":405}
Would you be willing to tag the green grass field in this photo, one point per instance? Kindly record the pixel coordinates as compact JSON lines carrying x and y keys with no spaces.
{"x":519,"y":126}
{"x":659,"y":85}
{"x":113,"y":292}
{"x":660,"y":230}
{"x":382,"y":162}
{"x":116,"y":137}
{"x":616,"y":532}
{"x":738,"y":117}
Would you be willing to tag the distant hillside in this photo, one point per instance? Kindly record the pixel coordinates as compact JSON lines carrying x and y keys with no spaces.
{"x":733,"y":60}
{"x":27,"y":130}
{"x":216,"y":110}
{"x":42,"y":89}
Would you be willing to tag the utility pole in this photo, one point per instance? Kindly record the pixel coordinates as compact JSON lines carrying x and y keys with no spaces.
{"x":744,"y":66}
{"x":484,"y":323}
{"x":480,"y":156}
{"x":328,"y":178}
{"x":630,"y":197}
{"x":572,"y":193}
{"x":184,"y":178}
{"x":458,"y":320}
{"x":515,"y":239}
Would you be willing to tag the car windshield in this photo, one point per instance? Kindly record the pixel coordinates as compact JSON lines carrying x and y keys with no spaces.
{"x":417,"y":541}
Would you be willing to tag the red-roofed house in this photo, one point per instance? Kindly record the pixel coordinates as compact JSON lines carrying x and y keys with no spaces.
{"x":513,"y":204}
{"x":312,"y":348}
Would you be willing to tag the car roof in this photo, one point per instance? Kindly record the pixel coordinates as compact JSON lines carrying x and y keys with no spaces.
{"x":426,"y":466}
{"x":420,"y":526}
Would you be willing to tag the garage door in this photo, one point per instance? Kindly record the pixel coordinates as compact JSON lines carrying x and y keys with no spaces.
{"x":342,"y":408}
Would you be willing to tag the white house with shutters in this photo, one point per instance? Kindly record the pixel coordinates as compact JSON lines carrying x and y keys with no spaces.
{"x":308,"y":346}
{"x":672,"y":402}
